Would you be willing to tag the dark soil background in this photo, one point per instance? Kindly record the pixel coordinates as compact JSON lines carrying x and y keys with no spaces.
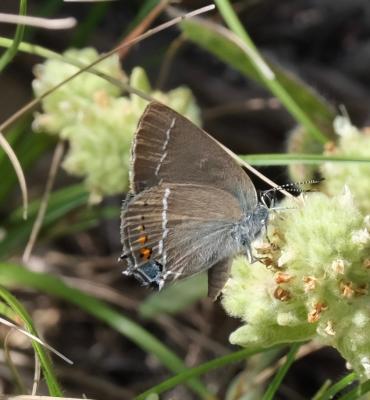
{"x":326,"y":43}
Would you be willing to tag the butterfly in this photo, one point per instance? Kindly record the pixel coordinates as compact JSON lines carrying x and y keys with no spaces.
{"x":191,"y":207}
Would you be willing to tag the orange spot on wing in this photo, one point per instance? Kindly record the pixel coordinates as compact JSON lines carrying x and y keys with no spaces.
{"x":145,"y":252}
{"x":143,"y":239}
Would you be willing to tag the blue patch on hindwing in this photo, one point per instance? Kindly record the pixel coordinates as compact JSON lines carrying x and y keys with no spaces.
{"x":149,"y":273}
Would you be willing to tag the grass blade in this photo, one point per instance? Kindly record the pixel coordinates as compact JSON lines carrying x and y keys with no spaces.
{"x":36,"y":227}
{"x":274,"y":385}
{"x":29,"y":106}
{"x":266,"y":74}
{"x":338,"y":386}
{"x":200,"y":370}
{"x":10,"y":53}
{"x":45,"y":362}
{"x":61,"y":202}
{"x":174,"y":298}
{"x":227,"y":47}
{"x":291,"y":158}
{"x":28,"y":148}
{"x":324,"y":387}
{"x":18,"y":171}
{"x":358,"y":392}
{"x":14,"y":275}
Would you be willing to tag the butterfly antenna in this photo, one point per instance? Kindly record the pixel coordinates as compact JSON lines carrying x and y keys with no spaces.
{"x":268,"y":197}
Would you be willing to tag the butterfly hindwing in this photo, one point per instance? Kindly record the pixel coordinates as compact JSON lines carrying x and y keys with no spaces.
{"x":173,"y":231}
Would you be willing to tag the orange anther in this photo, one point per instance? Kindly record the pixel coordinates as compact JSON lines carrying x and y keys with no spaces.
{"x":282,"y":294}
{"x":314,"y":315}
{"x":282,"y":277}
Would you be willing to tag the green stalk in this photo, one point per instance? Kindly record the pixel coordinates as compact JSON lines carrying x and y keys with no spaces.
{"x":338,"y":386}
{"x":9,"y":54}
{"x":200,"y":370}
{"x":13,"y":275}
{"x":17,"y":307}
{"x":274,"y":385}
{"x":267,"y":75}
{"x":358,"y":392}
{"x":298,"y":158}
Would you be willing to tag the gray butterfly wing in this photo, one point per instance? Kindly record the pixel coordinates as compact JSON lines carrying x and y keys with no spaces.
{"x":172,"y":231}
{"x":169,"y":148}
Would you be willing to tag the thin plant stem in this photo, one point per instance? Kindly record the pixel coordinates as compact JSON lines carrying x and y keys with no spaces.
{"x":18,"y":382}
{"x":338,"y":386}
{"x":200,"y":370}
{"x":10,"y":53}
{"x":142,"y":26}
{"x":57,"y":157}
{"x":36,"y":376}
{"x":29,"y":106}
{"x":324,"y":387}
{"x":274,"y":385}
{"x":357,"y":392}
{"x":266,"y":73}
{"x":18,"y":170}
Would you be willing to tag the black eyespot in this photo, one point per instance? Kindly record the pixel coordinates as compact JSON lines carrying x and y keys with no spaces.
{"x":149,"y":273}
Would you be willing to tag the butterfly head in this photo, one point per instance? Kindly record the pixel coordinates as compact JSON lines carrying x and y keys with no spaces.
{"x":251,"y":227}
{"x":256,"y":221}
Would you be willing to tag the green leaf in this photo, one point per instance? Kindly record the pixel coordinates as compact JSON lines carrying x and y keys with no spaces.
{"x":324,"y":387}
{"x":215,"y":39}
{"x":85,"y":219}
{"x":13,"y":275}
{"x":358,"y":392}
{"x":28,"y":147}
{"x":17,"y":307}
{"x":174,"y":298}
{"x":338,"y":386}
{"x":60,"y":203}
{"x":200,"y":370}
{"x":10,"y":53}
{"x":301,"y":158}
{"x":274,"y":385}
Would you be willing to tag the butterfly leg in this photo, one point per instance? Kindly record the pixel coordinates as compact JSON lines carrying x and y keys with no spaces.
{"x":251,"y":257}
{"x":249,"y":254}
{"x":218,"y":275}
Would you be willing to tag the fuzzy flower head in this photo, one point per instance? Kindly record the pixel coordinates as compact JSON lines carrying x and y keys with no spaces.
{"x":301,"y":141}
{"x":352,"y":143}
{"x":98,"y":123}
{"x":63,"y":106}
{"x":313,"y":281}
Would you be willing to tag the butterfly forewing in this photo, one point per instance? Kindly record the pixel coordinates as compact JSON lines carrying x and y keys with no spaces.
{"x":169,"y":148}
{"x":176,"y":230}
